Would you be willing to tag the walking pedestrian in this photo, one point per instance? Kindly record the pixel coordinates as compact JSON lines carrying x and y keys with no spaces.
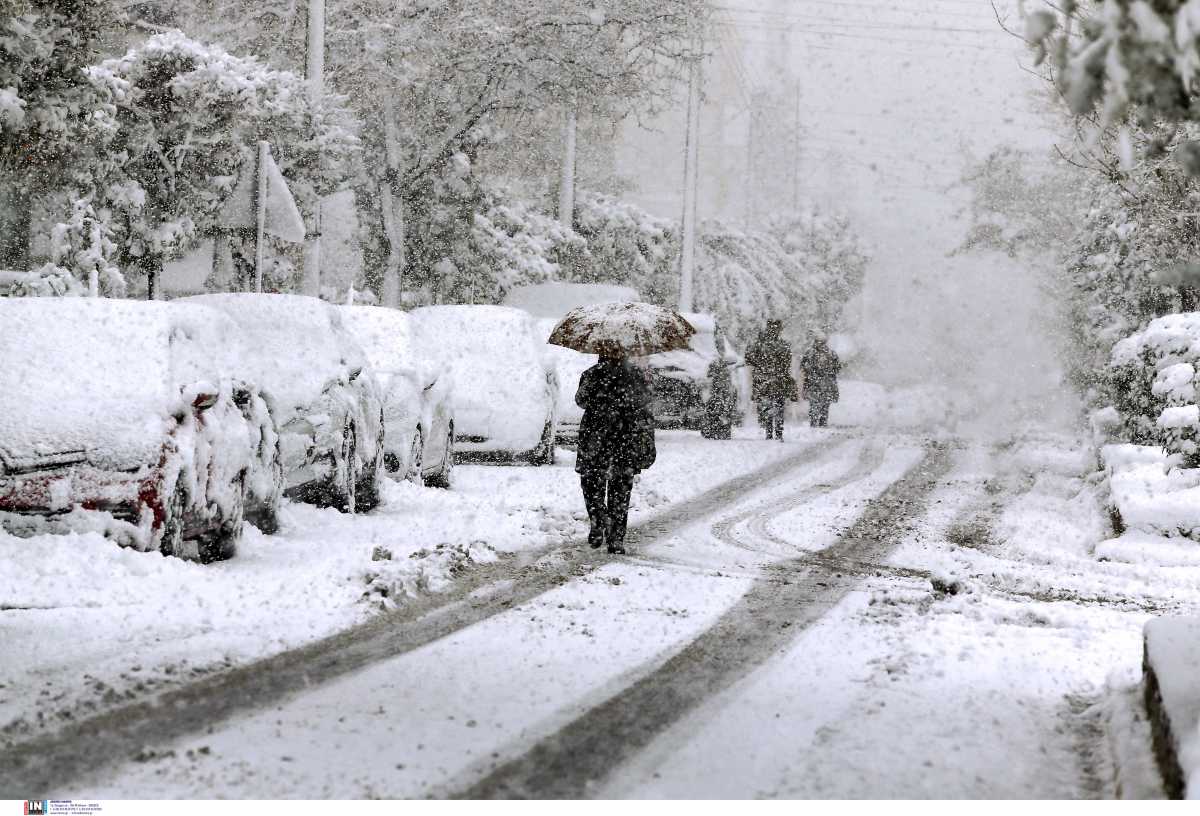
{"x":616,"y":441}
{"x":821,"y":366}
{"x":773,"y":384}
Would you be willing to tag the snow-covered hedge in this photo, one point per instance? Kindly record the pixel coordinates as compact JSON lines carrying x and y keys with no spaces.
{"x":626,"y":246}
{"x":1154,"y":382}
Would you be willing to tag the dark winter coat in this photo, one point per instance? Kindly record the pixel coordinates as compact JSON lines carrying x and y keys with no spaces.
{"x":771,"y":358}
{"x":821,"y":366}
{"x":618,"y":426}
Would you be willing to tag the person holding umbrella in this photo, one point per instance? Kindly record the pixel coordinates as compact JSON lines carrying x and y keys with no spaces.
{"x":616,"y":435}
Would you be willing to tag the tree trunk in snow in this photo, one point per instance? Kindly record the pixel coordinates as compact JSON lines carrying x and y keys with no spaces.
{"x":153,"y":266}
{"x":391,"y":202}
{"x":392,"y":209}
{"x":15,"y":205}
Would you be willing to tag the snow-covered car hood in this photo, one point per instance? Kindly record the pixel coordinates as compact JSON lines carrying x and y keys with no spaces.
{"x":89,"y":380}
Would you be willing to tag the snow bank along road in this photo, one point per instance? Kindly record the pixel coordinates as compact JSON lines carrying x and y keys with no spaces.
{"x":865,"y":615}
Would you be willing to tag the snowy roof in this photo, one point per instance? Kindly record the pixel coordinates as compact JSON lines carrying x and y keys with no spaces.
{"x":99,"y":376}
{"x":556,"y":299}
{"x":295,"y":345}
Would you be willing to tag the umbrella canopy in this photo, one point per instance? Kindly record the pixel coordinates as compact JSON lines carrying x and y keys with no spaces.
{"x":622,"y":329}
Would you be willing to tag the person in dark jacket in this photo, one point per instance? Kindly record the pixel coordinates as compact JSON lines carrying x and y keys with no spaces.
{"x":821,"y":366}
{"x":773,"y":384}
{"x":616,"y":441}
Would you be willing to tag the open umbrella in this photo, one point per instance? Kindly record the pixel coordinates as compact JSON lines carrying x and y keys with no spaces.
{"x":622,"y":329}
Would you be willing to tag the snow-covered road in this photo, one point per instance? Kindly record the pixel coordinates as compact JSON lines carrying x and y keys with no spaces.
{"x":847,"y":614}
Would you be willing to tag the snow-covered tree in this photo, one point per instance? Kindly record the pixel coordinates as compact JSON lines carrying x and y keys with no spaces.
{"x":831,"y":256}
{"x":803,"y":267}
{"x":433,"y":80}
{"x":803,"y":271}
{"x":48,"y":108}
{"x":1124,"y":58}
{"x":185,"y":118}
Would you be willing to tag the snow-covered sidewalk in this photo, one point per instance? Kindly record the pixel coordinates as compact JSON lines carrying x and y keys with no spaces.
{"x":86,"y":625}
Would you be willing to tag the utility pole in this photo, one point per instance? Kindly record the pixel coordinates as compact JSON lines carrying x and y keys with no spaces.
{"x":392,"y":207}
{"x":316,"y":88}
{"x":796,"y":154}
{"x":566,"y":187}
{"x":750,"y":168}
{"x":691,"y":162}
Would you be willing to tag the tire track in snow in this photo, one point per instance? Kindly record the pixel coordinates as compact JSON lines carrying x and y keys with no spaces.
{"x":36,"y":767}
{"x":574,"y":761}
{"x":728,"y":528}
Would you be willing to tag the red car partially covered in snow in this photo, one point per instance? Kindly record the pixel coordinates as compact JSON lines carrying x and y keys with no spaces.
{"x":121,"y":417}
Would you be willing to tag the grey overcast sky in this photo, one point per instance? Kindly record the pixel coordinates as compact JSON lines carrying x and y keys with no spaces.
{"x":891,"y":97}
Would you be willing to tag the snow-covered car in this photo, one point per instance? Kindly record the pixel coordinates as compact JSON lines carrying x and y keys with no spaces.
{"x":318,"y":384}
{"x":122,"y":417}
{"x":569,"y":366}
{"x":548,"y":303}
{"x":505,"y":388}
{"x":418,"y":412}
{"x":679,"y":380}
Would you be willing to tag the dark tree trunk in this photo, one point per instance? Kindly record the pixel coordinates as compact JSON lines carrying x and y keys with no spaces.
{"x":153,"y":266}
{"x":15,"y":206}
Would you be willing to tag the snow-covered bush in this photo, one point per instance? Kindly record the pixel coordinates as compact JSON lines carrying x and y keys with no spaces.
{"x":509,"y":243}
{"x":48,"y":280}
{"x":1154,"y":373}
{"x":81,"y":249}
{"x":516,"y":245}
{"x":625,"y":245}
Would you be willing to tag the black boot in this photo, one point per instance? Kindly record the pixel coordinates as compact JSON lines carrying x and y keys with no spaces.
{"x":596,"y":535}
{"x":615,"y":538}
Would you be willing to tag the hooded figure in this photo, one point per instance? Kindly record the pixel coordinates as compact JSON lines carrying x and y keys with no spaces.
{"x":773,"y":383}
{"x":821,"y":366}
{"x":616,"y":441}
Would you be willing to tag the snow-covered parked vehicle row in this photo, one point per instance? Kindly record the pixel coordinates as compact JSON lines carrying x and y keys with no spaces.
{"x":126,"y":417}
{"x":418,"y":409}
{"x":506,"y":389}
{"x":321,"y":391}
